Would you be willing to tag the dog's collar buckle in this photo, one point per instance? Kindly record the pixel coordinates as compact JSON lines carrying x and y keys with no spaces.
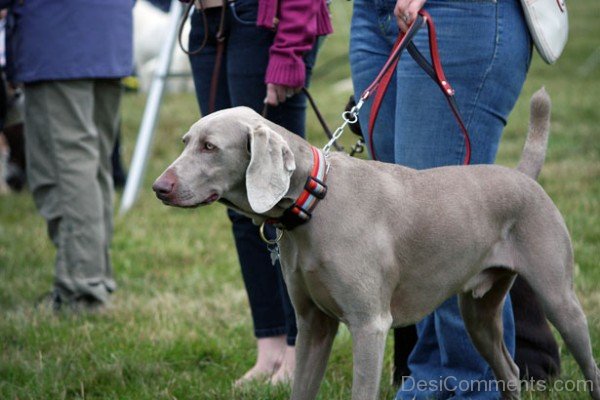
{"x":300,"y":212}
{"x":316,"y":187}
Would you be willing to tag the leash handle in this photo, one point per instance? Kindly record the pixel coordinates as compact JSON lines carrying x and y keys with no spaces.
{"x":401,"y":42}
{"x":436,"y":72}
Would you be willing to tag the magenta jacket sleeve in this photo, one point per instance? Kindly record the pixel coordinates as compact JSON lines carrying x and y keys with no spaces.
{"x":300,"y":22}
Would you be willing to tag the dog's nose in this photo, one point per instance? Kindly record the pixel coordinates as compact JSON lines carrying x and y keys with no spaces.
{"x":164,"y":185}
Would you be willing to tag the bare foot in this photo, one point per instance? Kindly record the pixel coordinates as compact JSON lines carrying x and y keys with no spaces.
{"x":285,"y":373}
{"x":271,"y":351}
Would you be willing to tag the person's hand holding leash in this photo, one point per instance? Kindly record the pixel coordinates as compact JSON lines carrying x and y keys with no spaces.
{"x":406,"y":12}
{"x":279,"y":93}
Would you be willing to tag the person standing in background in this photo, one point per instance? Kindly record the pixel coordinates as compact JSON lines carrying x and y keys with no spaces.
{"x":268,"y":51}
{"x":485,"y":49}
{"x":70,"y":56}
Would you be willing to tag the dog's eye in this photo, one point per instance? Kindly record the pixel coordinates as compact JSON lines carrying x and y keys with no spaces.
{"x":208,"y":146}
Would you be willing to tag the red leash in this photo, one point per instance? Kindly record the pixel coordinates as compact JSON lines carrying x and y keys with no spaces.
{"x":380,"y":84}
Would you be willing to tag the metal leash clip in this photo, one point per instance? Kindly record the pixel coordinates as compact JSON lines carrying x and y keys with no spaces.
{"x":349,"y":117}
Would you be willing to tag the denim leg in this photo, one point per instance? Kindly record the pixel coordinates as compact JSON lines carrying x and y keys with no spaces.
{"x":272,"y":310}
{"x":203,"y":63}
{"x":445,"y":357}
{"x":372,"y":36}
{"x":248,"y":51}
{"x":425,"y":364}
{"x":247,"y":87}
{"x":487,"y":67}
{"x":242,"y":83}
{"x":260,"y":276}
{"x":485,"y":50}
{"x":488,"y":80}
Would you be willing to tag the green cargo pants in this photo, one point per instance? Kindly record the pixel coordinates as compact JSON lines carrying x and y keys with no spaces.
{"x":70,"y":130}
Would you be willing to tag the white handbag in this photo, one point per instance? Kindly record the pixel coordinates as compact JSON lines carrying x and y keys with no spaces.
{"x":548,"y":23}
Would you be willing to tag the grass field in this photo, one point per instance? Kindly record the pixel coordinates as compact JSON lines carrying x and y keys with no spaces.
{"x":180,"y":326}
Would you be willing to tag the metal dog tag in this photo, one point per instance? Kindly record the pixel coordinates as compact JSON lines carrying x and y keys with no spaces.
{"x":274,"y":250}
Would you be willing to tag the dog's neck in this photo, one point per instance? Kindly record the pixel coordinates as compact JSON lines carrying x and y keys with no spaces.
{"x":304,"y":158}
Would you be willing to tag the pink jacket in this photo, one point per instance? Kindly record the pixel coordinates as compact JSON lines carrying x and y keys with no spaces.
{"x":297,"y":23}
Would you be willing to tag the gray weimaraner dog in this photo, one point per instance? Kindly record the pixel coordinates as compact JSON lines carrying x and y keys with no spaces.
{"x":388,"y":244}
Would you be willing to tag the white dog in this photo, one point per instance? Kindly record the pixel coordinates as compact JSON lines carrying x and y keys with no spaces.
{"x":150,"y":23}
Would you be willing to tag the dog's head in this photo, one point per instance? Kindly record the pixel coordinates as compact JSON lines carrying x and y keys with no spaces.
{"x":232,"y":156}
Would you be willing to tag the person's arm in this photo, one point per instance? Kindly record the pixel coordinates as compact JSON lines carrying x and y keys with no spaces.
{"x":296,"y":33}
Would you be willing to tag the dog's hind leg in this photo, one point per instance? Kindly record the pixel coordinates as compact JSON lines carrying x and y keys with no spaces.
{"x":564,"y":311}
{"x":368,"y":346}
{"x":316,"y":332}
{"x":483,"y":320}
{"x":544,"y":257}
{"x":548,"y":269}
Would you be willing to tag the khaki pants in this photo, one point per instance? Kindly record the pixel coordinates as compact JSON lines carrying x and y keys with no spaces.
{"x":70,"y":129}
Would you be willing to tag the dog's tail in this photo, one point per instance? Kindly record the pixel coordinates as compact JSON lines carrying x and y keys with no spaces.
{"x":536,"y":144}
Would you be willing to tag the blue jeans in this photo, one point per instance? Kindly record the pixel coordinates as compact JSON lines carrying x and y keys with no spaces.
{"x":485,"y":50}
{"x":241,"y":83}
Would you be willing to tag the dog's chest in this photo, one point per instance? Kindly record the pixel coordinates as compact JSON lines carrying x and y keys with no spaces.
{"x":307,"y":275}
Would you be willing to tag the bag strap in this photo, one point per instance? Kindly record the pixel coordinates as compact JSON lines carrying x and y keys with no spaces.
{"x":436,"y":72}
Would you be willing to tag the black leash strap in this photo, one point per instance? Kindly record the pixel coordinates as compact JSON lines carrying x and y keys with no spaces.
{"x":318,"y":114}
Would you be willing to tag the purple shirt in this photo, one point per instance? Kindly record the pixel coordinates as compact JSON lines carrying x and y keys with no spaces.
{"x":299,"y":24}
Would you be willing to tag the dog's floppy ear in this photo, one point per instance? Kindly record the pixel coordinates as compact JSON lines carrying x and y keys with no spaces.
{"x":270,"y":168}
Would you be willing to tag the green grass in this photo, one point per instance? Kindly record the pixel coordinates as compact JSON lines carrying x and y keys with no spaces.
{"x":180,"y":326}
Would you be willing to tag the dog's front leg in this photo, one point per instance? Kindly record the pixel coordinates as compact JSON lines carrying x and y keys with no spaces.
{"x":316,"y":332}
{"x":368,"y":345}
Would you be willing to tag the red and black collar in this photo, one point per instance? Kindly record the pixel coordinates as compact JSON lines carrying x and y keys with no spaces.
{"x":315,"y":190}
